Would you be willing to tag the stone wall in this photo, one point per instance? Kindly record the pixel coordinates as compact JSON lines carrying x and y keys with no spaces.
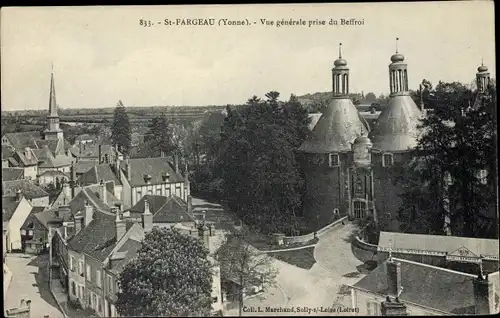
{"x":309,"y":237}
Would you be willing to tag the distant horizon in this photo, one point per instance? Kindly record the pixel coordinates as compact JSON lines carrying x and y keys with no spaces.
{"x":102,"y":54}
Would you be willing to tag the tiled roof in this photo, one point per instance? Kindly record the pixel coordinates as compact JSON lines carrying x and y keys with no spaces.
{"x":57,"y":162}
{"x":61,"y":199}
{"x":28,"y":188}
{"x":97,"y":239}
{"x":81,"y":166}
{"x":43,"y":154}
{"x":426,"y":285}
{"x":29,"y":160}
{"x":9,"y":206}
{"x":13,"y":161}
{"x":131,"y":247}
{"x":47,"y":216}
{"x":52,"y":145}
{"x":7,"y":152}
{"x":438,"y":243}
{"x":98,"y":173}
{"x":21,"y":140}
{"x":154,"y":167}
{"x":9,"y":174}
{"x":92,"y":151}
{"x":314,"y":119}
{"x":110,"y":197}
{"x":165,"y":210}
{"x":32,"y":217}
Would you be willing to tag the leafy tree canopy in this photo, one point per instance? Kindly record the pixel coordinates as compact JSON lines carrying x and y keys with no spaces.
{"x":120,"y":129}
{"x":170,"y":277}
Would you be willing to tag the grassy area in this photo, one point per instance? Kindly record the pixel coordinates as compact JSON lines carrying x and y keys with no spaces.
{"x":303,"y":258}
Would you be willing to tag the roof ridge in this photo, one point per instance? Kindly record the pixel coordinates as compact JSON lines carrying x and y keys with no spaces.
{"x":94,"y":203}
{"x":433,"y":267}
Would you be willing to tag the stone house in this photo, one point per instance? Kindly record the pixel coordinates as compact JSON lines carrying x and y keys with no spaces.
{"x":34,"y":235}
{"x":102,"y":173}
{"x":32,"y":192}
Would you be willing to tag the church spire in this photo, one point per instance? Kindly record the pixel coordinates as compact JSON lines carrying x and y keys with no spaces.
{"x":52,"y":100}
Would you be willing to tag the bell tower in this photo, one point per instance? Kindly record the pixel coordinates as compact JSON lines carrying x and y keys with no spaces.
{"x":398,"y":75}
{"x":340,"y":74}
{"x":482,"y":78}
{"x":53,"y":132}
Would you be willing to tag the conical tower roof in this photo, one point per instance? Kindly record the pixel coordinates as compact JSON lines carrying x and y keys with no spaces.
{"x":341,"y":122}
{"x":397,"y":125}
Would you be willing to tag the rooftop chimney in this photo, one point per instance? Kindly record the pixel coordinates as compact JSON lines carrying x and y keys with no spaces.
{"x":117,"y":164}
{"x":100,"y":154}
{"x":190,"y":205}
{"x":89,"y":213}
{"x":106,"y":158}
{"x":73,"y":180}
{"x":147,"y":217}
{"x":484,"y":295}
{"x":393,"y":278}
{"x":203,"y":233}
{"x":79,"y":219}
{"x":103,"y":192}
{"x":176,"y":158}
{"x":19,"y":195}
{"x":393,"y":308}
{"x":120,"y":226}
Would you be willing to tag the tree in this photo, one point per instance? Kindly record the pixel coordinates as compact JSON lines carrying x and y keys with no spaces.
{"x":121,"y":130}
{"x":170,"y":277}
{"x":456,"y":145}
{"x":370,"y":97}
{"x":263,"y":183}
{"x":244,"y":264}
{"x":159,"y":135}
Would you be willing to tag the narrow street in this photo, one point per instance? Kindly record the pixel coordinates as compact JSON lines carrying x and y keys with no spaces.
{"x":30,"y":282}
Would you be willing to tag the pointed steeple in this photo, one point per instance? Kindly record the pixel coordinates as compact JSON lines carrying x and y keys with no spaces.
{"x":52,"y":100}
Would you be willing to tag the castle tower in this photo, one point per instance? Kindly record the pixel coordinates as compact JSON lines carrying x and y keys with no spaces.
{"x":482,"y":78}
{"x":393,"y":137}
{"x":326,"y":152}
{"x":53,"y":131}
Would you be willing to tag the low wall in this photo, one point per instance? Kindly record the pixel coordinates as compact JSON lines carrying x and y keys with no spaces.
{"x":362,"y":250}
{"x":310,"y":236}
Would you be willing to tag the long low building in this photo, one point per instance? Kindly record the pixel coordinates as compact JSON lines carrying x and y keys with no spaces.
{"x":461,"y":253}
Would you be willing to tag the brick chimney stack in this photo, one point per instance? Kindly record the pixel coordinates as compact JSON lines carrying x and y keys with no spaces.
{"x":103,"y":192}
{"x":66,"y":188}
{"x":19,"y":195}
{"x":129,"y":168}
{"x":79,"y":219}
{"x":484,"y":295}
{"x":73,"y":180}
{"x":393,"y":278}
{"x":100,"y":154}
{"x":393,"y":308}
{"x":204,"y":234}
{"x":190,"y":205}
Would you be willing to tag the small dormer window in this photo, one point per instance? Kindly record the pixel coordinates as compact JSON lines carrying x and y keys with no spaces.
{"x":483,"y":176}
{"x":387,"y":160}
{"x":333,"y":160}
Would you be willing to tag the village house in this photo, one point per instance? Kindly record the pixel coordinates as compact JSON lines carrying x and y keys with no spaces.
{"x":417,"y":289}
{"x":34,"y":235}
{"x":27,"y":161}
{"x":464,"y":254}
{"x":98,"y":153}
{"x":15,"y":211}
{"x":11,"y":174}
{"x":33,"y":193}
{"x":82,"y":166}
{"x":167,"y":211}
{"x":102,"y":173}
{"x":143,"y":176}
{"x":52,"y":177}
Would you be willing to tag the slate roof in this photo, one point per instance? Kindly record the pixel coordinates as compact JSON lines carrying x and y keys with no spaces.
{"x":98,"y":239}
{"x":339,"y":125}
{"x":28,"y":188}
{"x":7,"y":152}
{"x":81,"y":166}
{"x":155,"y":167}
{"x":396,"y":127}
{"x":165,"y":209}
{"x":32,"y":216}
{"x":426,"y":285}
{"x":314,"y":119}
{"x":42,"y":154}
{"x":92,"y":151}
{"x":131,"y":247}
{"x":47,"y":216}
{"x":438,"y":243}
{"x":97,"y":173}
{"x":9,"y":206}
{"x":57,"y":162}
{"x":30,"y":160}
{"x":51,"y":144}
{"x":9,"y":174}
{"x":110,"y":197}
{"x":21,"y":140}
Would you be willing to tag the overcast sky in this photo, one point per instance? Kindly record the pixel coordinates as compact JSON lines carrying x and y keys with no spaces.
{"x":102,"y":54}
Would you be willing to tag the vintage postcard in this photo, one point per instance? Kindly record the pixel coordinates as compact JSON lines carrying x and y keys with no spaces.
{"x":250,"y":160}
